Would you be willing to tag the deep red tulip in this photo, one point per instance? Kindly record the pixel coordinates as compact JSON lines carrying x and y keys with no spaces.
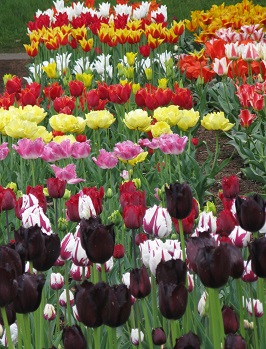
{"x":236,"y":261}
{"x":8,"y":287}
{"x":13,"y":85}
{"x":158,"y":336}
{"x":226,"y":222}
{"x":230,"y":320}
{"x":234,"y":341}
{"x":56,"y":187}
{"x":96,"y":196}
{"x":172,"y":300}
{"x":257,"y":249}
{"x":250,"y":212}
{"x":73,"y":337}
{"x":60,"y":103}
{"x":173,"y":271}
{"x":133,"y":216}
{"x":145,"y":50}
{"x":72,"y":206}
{"x":97,"y":239}
{"x":29,"y":293}
{"x":140,"y":238}
{"x":230,"y":186}
{"x":76,"y":88}
{"x":10,"y":313}
{"x":140,"y":285}
{"x":53,"y":91}
{"x":93,"y":98}
{"x":179,"y":200}
{"x":119,"y":251}
{"x":189,"y":340}
{"x":38,"y":192}
{"x":7,"y":199}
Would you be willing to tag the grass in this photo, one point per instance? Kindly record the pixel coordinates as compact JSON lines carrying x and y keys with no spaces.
{"x":15,"y":14}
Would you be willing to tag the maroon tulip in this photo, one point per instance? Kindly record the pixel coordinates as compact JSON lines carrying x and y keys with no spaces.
{"x":250,"y":212}
{"x":226,"y":222}
{"x":189,"y":340}
{"x":140,"y":285}
{"x":236,"y":261}
{"x":230,"y":186}
{"x":257,"y":249}
{"x":179,"y":200}
{"x":10,"y":313}
{"x":7,"y":199}
{"x":117,"y":307}
{"x":98,"y":240}
{"x":73,"y":337}
{"x":158,"y":336}
{"x":172,"y":300}
{"x":119,"y":251}
{"x":76,"y":88}
{"x":8,"y":286}
{"x":230,"y":320}
{"x":173,"y":271}
{"x":29,"y":293}
{"x":56,"y":187}
{"x":133,"y":216}
{"x":234,"y":341}
{"x":72,"y":206}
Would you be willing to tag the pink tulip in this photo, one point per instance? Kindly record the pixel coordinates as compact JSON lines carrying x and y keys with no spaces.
{"x":153,"y":144}
{"x":29,"y":149}
{"x":81,"y":150}
{"x":56,"y":151}
{"x":4,"y":150}
{"x":106,"y":160}
{"x":67,"y":173}
{"x":127,"y":150}
{"x":172,"y":143}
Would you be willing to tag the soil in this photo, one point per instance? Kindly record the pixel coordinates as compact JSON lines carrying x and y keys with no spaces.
{"x":18,"y":67}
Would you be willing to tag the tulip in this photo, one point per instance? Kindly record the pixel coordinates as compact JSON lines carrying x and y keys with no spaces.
{"x":67,"y":246}
{"x":230,"y":320}
{"x":248,"y":274}
{"x":76,"y":88}
{"x":119,"y":251}
{"x":158,"y":336}
{"x":178,"y":200}
{"x":254,"y":305}
{"x":4,"y":150}
{"x":189,"y":340}
{"x":236,"y":261}
{"x":38,"y":193}
{"x":246,"y":118}
{"x":234,"y":341}
{"x":49,"y":313}
{"x":7,"y":199}
{"x":73,"y":337}
{"x":172,"y":300}
{"x":63,"y":299}
{"x":67,"y":173}
{"x":10,"y":313}
{"x":56,"y":281}
{"x":99,"y":119}
{"x":79,"y":257}
{"x":187,"y":119}
{"x":203,"y":305}
{"x":230,"y":186}
{"x":157,"y":222}
{"x":136,"y":336}
{"x":9,"y":286}
{"x":250,"y":212}
{"x":220,"y":66}
{"x":133,"y":216}
{"x":29,"y":149}
{"x":56,"y":187}
{"x":105,"y":160}
{"x":29,"y":242}
{"x":140,"y":285}
{"x":257,"y":250}
{"x":127,"y":150}
{"x":138,"y":119}
{"x":173,"y":271}
{"x":29,"y":293}
{"x":77,"y":273}
{"x":98,"y":240}
{"x":216,"y":121}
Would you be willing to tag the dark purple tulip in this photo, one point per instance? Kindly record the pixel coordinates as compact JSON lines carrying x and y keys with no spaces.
{"x":179,"y":200}
{"x":173,"y":271}
{"x":10,"y":257}
{"x":10,"y":313}
{"x":73,"y":337}
{"x":257,"y":250}
{"x":8,"y":286}
{"x":50,"y":253}
{"x":29,"y":242}
{"x":90,"y":300}
{"x":193,"y":246}
{"x":230,"y":320}
{"x":234,"y":341}
{"x":189,"y":341}
{"x":213,"y":265}
{"x":140,"y":285}
{"x":116,"y":310}
{"x":236,"y":261}
{"x":29,"y":293}
{"x":172,"y":300}
{"x":98,"y":240}
{"x":250,"y":212}
{"x":158,"y":336}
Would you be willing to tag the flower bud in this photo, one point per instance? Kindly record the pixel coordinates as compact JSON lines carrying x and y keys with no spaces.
{"x":63,"y":299}
{"x":136,"y":336}
{"x":119,"y":251}
{"x":56,"y":281}
{"x":158,"y":336}
{"x":49,"y":312}
{"x":230,"y":320}
{"x":109,"y":193}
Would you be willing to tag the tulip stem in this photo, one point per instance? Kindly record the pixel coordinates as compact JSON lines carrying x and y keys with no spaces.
{"x":7,"y":227}
{"x":147,"y":322}
{"x":216,"y":152}
{"x":67,"y":295}
{"x":7,"y":328}
{"x":134,"y":248}
{"x":27,"y":334}
{"x":96,"y":335}
{"x":241,"y":314}
{"x":32,"y":172}
{"x":182,"y":238}
{"x":215,"y":313}
{"x":154,"y":300}
{"x":256,"y":344}
{"x":57,"y":320}
{"x":261,"y":283}
{"x":20,"y":329}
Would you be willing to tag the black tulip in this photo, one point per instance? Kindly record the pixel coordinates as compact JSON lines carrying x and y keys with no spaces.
{"x":8,"y":286}
{"x":173,"y":271}
{"x":236,"y":261}
{"x":230,"y":320}
{"x":257,"y":250}
{"x":73,"y":337}
{"x":90,"y":300}
{"x":117,"y":307}
{"x":179,"y":200}
{"x":250,"y":212}
{"x":189,"y":341}
{"x":10,"y":313}
{"x":158,"y":336}
{"x":49,"y":254}
{"x":140,"y":285}
{"x":97,"y":239}
{"x":29,"y":293}
{"x":10,"y":257}
{"x":234,"y":341}
{"x":172,"y":300}
{"x":29,"y":242}
{"x":213,"y":265}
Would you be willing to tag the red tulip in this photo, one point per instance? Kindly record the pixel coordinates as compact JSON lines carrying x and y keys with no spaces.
{"x":56,"y":187}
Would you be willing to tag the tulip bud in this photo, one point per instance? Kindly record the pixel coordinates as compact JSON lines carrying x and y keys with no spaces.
{"x":56,"y":281}
{"x":115,"y":217}
{"x":63,"y":299}
{"x":136,"y":336}
{"x":140,"y":285}
{"x":189,"y":340}
{"x":67,"y":194}
{"x":234,"y":341}
{"x":157,"y":222}
{"x":13,"y":186}
{"x":230,"y":320}
{"x":254,"y":305}
{"x":73,"y":337}
{"x":137,"y":182}
{"x":158,"y":336}
{"x":67,"y":246}
{"x":119,"y":251}
{"x":179,"y":200}
{"x":230,"y":186}
{"x":203,"y":305}
{"x":49,"y":312}
{"x":109,"y":193}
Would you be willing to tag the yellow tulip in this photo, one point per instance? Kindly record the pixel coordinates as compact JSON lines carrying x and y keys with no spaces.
{"x":85,"y":78}
{"x":131,"y":58}
{"x":135,"y":88}
{"x":42,"y":133}
{"x":188,"y":119}
{"x":170,"y":114}
{"x":139,"y":158}
{"x":67,"y":123}
{"x":5,"y":117}
{"x":162,"y":83}
{"x":129,"y":73}
{"x":160,"y":128}
{"x":18,"y":128}
{"x":32,"y":113}
{"x":59,"y":139}
{"x":148,"y":73}
{"x":216,"y":121}
{"x":99,"y":119}
{"x":138,"y":119}
{"x":50,"y":70}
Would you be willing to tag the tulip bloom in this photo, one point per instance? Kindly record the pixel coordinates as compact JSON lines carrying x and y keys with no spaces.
{"x":158,"y":336}
{"x":133,"y":216}
{"x":136,"y":336}
{"x":179,"y":200}
{"x":67,"y":173}
{"x":246,"y":118}
{"x":230,"y":320}
{"x":138,"y":120}
{"x":172,"y":143}
{"x":187,"y":119}
{"x":56,"y":281}
{"x":172,"y":271}
{"x":216,"y":121}
{"x":140,"y":285}
{"x":234,"y":341}
{"x":257,"y":250}
{"x":157,"y":222}
{"x":99,"y":119}
{"x":29,"y":149}
{"x":56,"y":187}
{"x":127,"y":150}
{"x":49,"y":313}
{"x":7,"y":199}
{"x":189,"y":340}
{"x":73,"y":337}
{"x":4,"y":150}
{"x":106,"y":160}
